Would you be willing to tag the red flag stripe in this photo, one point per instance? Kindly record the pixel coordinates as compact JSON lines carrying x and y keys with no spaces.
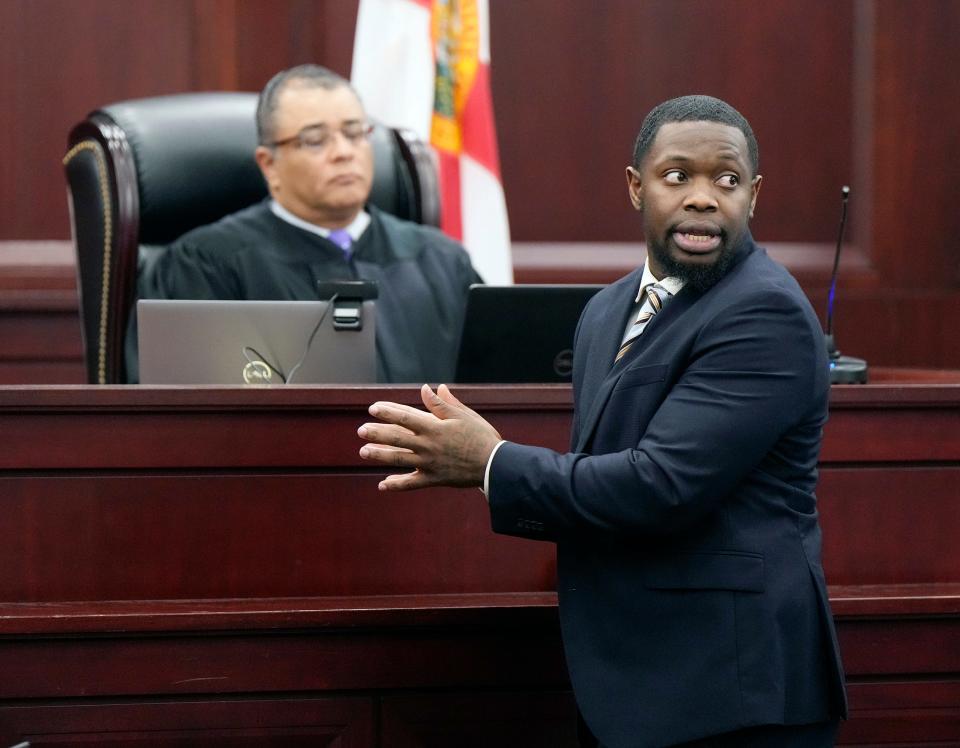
{"x":451,"y":219}
{"x":477,"y":125}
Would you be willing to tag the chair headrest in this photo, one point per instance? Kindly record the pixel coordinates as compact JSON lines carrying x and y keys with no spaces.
{"x":194,"y":158}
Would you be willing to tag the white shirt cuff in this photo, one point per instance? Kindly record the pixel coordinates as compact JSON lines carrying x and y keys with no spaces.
{"x":486,"y":472}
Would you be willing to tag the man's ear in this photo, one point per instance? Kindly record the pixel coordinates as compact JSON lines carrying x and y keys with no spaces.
{"x":265,"y":160}
{"x":634,"y":188}
{"x":754,"y":190}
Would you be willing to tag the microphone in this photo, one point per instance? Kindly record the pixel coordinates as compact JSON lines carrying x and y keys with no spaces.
{"x":843,"y":369}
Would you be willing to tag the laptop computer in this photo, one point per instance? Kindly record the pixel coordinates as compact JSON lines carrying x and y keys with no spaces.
{"x":523,"y":333}
{"x":254,"y":342}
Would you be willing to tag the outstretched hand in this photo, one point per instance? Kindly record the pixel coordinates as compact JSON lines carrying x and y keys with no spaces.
{"x":448,"y":445}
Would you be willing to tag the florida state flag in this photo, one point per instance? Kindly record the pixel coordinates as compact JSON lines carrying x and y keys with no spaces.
{"x":425,"y":65}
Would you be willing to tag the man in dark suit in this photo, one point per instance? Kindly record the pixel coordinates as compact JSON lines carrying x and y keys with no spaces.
{"x":692,"y":598}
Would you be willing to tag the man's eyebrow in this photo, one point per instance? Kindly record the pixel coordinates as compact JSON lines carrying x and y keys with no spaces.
{"x":325,"y":125}
{"x":732,"y":155}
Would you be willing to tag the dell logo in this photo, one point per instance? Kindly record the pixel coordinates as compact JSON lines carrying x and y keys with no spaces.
{"x":563,"y":363}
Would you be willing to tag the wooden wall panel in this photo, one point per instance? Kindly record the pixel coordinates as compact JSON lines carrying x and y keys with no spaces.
{"x":39,"y":322}
{"x":899,"y":326}
{"x":224,"y":723}
{"x":572,"y":82}
{"x":916,"y":502}
{"x":158,"y":500}
{"x":274,"y":35}
{"x":916,"y":140}
{"x":61,"y":59}
{"x":311,"y":526}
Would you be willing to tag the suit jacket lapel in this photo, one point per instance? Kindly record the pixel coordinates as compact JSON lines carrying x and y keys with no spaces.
{"x":672,"y":311}
{"x":602,"y":349}
{"x":603,"y":374}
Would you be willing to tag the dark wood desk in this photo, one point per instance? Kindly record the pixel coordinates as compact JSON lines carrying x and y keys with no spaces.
{"x":215,"y":566}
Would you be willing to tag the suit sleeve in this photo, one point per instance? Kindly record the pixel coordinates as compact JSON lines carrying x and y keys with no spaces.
{"x":577,"y":382}
{"x":750,"y":378}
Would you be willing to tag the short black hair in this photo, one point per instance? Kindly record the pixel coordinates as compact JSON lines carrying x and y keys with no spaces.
{"x":311,"y":75}
{"x":696,"y":108}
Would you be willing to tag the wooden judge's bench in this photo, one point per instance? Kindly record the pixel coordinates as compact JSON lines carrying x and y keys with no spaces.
{"x":215,"y":566}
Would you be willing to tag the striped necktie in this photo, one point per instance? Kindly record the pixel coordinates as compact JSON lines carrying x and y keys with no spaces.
{"x":655,"y":294}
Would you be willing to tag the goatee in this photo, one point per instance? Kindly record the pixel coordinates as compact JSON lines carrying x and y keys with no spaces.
{"x":698,"y":276}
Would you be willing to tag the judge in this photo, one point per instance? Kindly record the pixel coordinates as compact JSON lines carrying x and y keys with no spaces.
{"x":315,"y":155}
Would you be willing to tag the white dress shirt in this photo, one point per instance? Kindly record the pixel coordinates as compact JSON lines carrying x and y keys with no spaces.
{"x":356,"y":227}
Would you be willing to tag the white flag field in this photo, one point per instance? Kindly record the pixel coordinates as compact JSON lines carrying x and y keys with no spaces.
{"x":425,"y":65}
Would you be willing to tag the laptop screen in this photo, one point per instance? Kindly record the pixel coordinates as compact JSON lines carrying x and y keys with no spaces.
{"x":254,"y":342}
{"x":523,"y":333}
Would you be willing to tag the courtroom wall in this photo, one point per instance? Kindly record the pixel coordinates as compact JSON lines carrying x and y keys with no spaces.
{"x":859,"y":92}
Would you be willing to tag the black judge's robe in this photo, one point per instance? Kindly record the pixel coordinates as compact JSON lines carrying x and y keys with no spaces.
{"x":422,"y":276}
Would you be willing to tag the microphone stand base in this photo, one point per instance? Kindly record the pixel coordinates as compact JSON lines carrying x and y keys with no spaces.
{"x":848,"y":370}
{"x":844,"y":369}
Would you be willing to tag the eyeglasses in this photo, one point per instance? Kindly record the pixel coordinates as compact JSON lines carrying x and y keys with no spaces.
{"x":317,"y":138}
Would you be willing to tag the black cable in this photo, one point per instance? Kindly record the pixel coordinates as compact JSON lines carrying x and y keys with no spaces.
{"x":248,"y":349}
{"x":844,"y":195}
{"x":288,"y":379}
{"x":313,"y":334}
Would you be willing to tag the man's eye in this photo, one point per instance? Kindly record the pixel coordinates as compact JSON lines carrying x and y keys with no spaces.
{"x":315,"y":138}
{"x":354,"y":132}
{"x":729,"y":180}
{"x":674,"y":176}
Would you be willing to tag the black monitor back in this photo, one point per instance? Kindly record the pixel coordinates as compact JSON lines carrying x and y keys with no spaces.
{"x":520,"y":334}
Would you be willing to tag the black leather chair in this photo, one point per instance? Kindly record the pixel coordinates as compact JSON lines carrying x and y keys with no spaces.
{"x":142,"y":172}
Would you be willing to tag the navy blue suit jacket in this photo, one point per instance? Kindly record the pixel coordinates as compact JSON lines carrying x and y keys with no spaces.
{"x":692,"y":597}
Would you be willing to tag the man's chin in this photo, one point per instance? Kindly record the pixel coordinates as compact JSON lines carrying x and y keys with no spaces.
{"x":342,"y":207}
{"x":701,"y":271}
{"x":696,"y":259}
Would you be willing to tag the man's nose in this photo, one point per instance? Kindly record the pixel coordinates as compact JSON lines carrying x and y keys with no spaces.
{"x":700,"y":197}
{"x":340,"y":146}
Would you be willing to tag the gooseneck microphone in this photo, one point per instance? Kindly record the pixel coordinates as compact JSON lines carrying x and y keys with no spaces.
{"x":843,"y":369}
{"x":845,"y":198}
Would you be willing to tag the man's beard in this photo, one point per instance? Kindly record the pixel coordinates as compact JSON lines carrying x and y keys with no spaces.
{"x":699,"y":276}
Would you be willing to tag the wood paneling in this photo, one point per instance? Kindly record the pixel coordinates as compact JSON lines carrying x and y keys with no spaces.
{"x":60,"y":60}
{"x":916,"y":224}
{"x":881,"y":719}
{"x":234,"y":578}
{"x":572,"y":82}
{"x":237,"y":723}
{"x":316,"y":526}
{"x":39,"y":322}
{"x":910,"y":507}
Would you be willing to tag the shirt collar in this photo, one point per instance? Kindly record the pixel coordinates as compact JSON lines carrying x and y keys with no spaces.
{"x":355,"y":228}
{"x":671,"y":283}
